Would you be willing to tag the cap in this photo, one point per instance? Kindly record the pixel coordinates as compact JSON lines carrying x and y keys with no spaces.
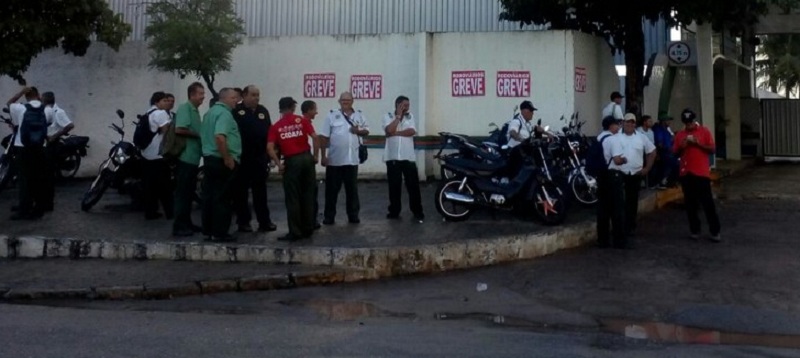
{"x":286,"y":103}
{"x":608,"y":121}
{"x":688,"y":116}
{"x":527,"y":105}
{"x":615,"y":95}
{"x":629,"y":117}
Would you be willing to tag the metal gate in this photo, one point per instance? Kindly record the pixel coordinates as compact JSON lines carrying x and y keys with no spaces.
{"x":780,"y":128}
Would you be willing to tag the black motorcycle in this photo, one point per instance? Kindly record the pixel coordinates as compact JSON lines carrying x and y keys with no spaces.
{"x":569,"y":162}
{"x":7,"y":170}
{"x":122,"y":170}
{"x":486,"y":184}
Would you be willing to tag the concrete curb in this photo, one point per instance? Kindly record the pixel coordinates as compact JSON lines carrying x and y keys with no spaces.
{"x":243,"y":284}
{"x":376,"y":262}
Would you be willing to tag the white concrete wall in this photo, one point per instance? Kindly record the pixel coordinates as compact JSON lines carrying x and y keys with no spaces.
{"x":416,"y":65}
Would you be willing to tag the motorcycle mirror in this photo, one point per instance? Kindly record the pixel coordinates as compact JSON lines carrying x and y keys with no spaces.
{"x":120,"y":114}
{"x":546,"y":128}
{"x":539,"y":122}
{"x":5,"y":110}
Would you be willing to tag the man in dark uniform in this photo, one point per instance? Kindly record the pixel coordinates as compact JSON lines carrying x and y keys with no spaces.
{"x":290,"y":136}
{"x":254,"y":123}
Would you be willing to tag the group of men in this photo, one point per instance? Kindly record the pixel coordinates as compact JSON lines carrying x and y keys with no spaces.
{"x":630,"y":155}
{"x":38,"y":127}
{"x":239,"y":144}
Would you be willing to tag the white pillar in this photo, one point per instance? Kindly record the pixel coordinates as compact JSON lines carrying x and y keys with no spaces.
{"x":733,"y":129}
{"x":705,"y":75}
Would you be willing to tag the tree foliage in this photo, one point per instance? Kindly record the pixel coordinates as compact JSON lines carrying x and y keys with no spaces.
{"x":619,"y":22}
{"x":778,"y":63}
{"x":28,"y":28}
{"x":193,"y":37}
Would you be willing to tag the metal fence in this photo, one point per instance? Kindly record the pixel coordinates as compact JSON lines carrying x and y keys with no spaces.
{"x":780,"y":128}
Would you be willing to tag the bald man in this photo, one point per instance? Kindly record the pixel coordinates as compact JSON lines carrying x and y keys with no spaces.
{"x":254,"y":123}
{"x":341,"y":136}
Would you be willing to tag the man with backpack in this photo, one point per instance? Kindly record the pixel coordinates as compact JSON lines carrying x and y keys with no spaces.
{"x":602,"y":160}
{"x":156,"y":171}
{"x":31,"y":121}
{"x":519,"y":128}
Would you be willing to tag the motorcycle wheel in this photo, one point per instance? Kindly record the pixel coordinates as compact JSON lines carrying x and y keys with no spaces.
{"x":95,"y":192}
{"x":5,"y":172}
{"x":582,"y":192}
{"x":69,"y":166}
{"x":550,"y":212}
{"x":452,"y":210}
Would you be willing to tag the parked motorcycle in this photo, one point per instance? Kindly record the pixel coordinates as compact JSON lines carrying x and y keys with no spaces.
{"x":7,"y":170}
{"x":570,"y":163}
{"x":485,"y":184}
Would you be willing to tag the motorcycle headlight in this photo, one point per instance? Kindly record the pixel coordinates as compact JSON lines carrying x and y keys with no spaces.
{"x":120,"y":157}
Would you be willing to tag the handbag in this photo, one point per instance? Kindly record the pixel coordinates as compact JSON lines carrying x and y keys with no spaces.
{"x":363,"y":152}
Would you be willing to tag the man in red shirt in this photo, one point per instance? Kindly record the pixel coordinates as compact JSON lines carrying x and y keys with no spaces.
{"x":290,"y":136}
{"x":694,"y":144}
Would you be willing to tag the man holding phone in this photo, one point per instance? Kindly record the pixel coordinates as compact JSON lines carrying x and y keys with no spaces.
{"x":400,"y":158}
{"x":694,"y":145}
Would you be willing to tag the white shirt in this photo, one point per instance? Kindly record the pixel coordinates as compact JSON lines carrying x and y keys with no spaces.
{"x":17,"y":112}
{"x":60,"y":121}
{"x":613,"y":109}
{"x":158,"y":119}
{"x":647,"y":133}
{"x":634,"y":147}
{"x":612,"y":147}
{"x":343,"y":148}
{"x":521,"y":126}
{"x":397,"y":147}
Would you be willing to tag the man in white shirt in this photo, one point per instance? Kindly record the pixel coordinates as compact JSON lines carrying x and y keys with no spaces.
{"x":31,"y":159}
{"x":156,"y":171}
{"x":400,"y":158}
{"x":341,"y":135}
{"x":640,"y":154}
{"x":61,"y":126}
{"x":611,"y":189}
{"x":614,"y":108}
{"x":519,"y":128}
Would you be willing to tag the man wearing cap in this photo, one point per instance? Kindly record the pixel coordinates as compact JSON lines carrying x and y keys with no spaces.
{"x":667,"y":164}
{"x":640,"y":154}
{"x":290,"y":136}
{"x":611,"y":189}
{"x":614,"y":108}
{"x":694,"y":145}
{"x":519,"y":128}
{"x":222,"y":150}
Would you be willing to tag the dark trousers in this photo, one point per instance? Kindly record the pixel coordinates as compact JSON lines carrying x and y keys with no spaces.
{"x":696,"y":193}
{"x":49,"y":184}
{"x":218,"y":184}
{"x":611,"y":209}
{"x":32,"y":170}
{"x":185,"y":189}
{"x":252,"y":177}
{"x":666,"y":167}
{"x":157,"y":187}
{"x":633,"y":184}
{"x":396,"y":172}
{"x":335,"y":177}
{"x":299,"y":180}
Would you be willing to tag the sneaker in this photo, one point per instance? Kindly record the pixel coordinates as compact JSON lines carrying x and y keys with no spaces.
{"x":270,"y":227}
{"x":694,"y":237}
{"x":715,"y":238}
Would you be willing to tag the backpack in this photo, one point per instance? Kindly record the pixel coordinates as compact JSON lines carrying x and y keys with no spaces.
{"x":501,"y":137}
{"x":33,"y":129}
{"x":172,"y":145}
{"x":143,"y":136}
{"x":596,"y":163}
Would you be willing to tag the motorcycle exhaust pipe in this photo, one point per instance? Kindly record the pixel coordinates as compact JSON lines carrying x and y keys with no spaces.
{"x":461,"y":198}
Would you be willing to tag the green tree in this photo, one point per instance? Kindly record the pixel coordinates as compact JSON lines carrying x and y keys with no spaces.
{"x":28,"y":28}
{"x":778,"y":63}
{"x":193,"y":37}
{"x":620,"y":22}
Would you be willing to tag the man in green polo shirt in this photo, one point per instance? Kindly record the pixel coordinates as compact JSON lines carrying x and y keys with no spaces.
{"x":222,"y":149}
{"x":187,"y":126}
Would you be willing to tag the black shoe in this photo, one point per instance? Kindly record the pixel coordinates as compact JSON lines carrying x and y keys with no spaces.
{"x":270,"y":227}
{"x":25,"y":217}
{"x":355,"y":220}
{"x":182,"y":233}
{"x":155,"y":216}
{"x":170,"y":216}
{"x":419,"y":217}
{"x":603,"y":245}
{"x":245,"y":228}
{"x":328,"y":222}
{"x":225,"y":238}
{"x":15,"y":208}
{"x":391,"y":216}
{"x":289,"y":237}
{"x":196,"y":228}
{"x":317,"y":226}
{"x":47,"y":209}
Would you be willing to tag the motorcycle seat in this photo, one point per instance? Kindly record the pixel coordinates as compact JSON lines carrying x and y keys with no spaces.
{"x":475,"y":165}
{"x":76,"y":141}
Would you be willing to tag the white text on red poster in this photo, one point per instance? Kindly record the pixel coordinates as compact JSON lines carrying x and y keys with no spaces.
{"x":319,"y":85}
{"x":580,"y":79}
{"x":468,"y":83}
{"x":513,"y":84}
{"x":366,"y":86}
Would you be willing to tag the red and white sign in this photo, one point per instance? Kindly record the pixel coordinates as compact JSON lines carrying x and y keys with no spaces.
{"x":319,"y":85}
{"x":513,"y":84}
{"x":580,"y":79}
{"x":468,"y":83}
{"x":366,"y":86}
